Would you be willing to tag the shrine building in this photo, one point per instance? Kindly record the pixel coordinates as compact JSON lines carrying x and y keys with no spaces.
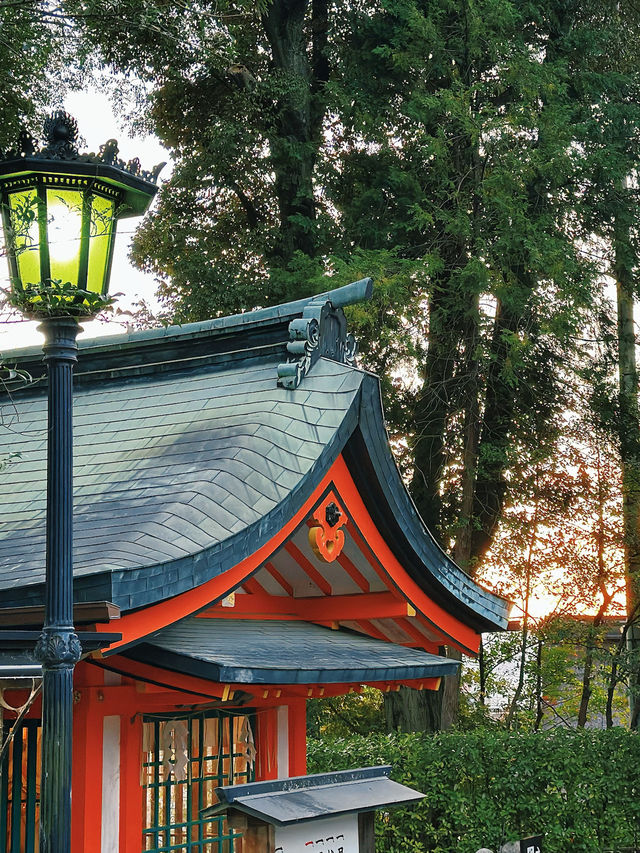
{"x":243,"y":542}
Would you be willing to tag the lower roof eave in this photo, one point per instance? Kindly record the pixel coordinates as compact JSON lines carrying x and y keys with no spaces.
{"x":287,"y":653}
{"x":307,"y":676}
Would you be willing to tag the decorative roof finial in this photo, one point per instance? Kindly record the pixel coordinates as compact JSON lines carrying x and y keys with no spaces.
{"x":61,"y":143}
{"x":61,"y":134}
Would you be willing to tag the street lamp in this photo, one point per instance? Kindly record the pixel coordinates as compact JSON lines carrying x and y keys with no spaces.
{"x":59,"y":214}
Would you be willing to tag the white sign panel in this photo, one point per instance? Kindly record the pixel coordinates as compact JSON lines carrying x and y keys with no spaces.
{"x":333,"y":835}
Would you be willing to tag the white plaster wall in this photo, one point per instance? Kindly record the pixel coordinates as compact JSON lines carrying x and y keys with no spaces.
{"x":110,"y":842}
{"x":283,"y":742}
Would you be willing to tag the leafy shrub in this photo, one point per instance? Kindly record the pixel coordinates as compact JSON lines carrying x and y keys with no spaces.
{"x":483,"y":788}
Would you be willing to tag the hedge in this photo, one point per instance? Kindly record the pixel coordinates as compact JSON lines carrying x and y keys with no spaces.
{"x":485,"y":787}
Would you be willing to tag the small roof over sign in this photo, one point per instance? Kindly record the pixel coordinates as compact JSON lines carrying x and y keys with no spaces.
{"x":320,"y":795}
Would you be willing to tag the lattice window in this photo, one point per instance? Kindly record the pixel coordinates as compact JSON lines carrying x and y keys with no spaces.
{"x":20,"y":789}
{"x":185,"y":759}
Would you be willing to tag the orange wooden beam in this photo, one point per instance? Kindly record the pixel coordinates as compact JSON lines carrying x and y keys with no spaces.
{"x":277,"y":576}
{"x":329,"y":608}
{"x":86,"y":776}
{"x":270,"y":695}
{"x":164,"y":678}
{"x":297,"y":737}
{"x":408,"y":625}
{"x":258,"y":605}
{"x":370,"y":629}
{"x":354,"y":572}
{"x":131,"y":792}
{"x":253,"y":587}
{"x":415,"y":683}
{"x":136,"y":699}
{"x":371,"y":605}
{"x":267,"y":745}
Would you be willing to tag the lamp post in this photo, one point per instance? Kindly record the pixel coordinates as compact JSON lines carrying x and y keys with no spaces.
{"x":59,"y":214}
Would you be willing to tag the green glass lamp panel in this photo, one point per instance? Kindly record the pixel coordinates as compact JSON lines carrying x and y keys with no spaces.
{"x":25,"y":236}
{"x":64,"y":228}
{"x":100,"y":237}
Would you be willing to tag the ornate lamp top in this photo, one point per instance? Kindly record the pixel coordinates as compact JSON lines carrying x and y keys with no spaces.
{"x":61,"y":138}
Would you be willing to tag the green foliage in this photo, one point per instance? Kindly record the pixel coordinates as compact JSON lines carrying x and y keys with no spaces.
{"x":488,"y":787}
{"x":463,"y":153}
{"x":36,"y":45}
{"x":55,"y":298}
{"x":341,"y":716}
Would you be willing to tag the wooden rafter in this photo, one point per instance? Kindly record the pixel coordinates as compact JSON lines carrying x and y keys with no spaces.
{"x":314,"y":575}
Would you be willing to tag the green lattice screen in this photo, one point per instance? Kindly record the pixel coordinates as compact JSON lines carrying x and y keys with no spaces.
{"x":185,"y":759}
{"x":20,"y":789}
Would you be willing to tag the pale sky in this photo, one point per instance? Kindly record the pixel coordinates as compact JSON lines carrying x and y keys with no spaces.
{"x":97,"y":123}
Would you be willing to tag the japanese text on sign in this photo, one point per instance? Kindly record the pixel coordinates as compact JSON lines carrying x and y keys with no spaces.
{"x":336,"y":835}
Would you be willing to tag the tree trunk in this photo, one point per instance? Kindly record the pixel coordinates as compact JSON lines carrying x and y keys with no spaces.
{"x":614,"y":672}
{"x":611,"y":686}
{"x":448,"y":386}
{"x":606,"y":601}
{"x":408,"y":710}
{"x":539,"y":706}
{"x":470,"y":402}
{"x":525,"y":619}
{"x":451,"y":694}
{"x":296,"y":134}
{"x":512,"y":312}
{"x":585,"y":696}
{"x":452,"y":384}
{"x":432,"y":408}
{"x":629,"y":433}
{"x":491,"y":484}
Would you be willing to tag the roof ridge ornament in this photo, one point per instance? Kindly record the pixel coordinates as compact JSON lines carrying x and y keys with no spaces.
{"x":321,"y":332}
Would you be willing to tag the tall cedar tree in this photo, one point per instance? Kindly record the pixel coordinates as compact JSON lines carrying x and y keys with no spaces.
{"x":612,"y":132}
{"x":444,"y":145}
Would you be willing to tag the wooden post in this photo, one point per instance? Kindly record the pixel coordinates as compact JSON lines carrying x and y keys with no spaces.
{"x":257,"y":836}
{"x":366,"y":832}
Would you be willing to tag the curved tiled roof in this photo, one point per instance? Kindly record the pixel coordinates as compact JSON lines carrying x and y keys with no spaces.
{"x":189,"y":456}
{"x":168,"y":467}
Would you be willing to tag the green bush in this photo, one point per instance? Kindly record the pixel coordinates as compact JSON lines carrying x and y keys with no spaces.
{"x":581,"y":789}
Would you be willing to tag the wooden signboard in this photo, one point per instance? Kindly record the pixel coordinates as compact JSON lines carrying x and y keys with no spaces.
{"x":331,"y":835}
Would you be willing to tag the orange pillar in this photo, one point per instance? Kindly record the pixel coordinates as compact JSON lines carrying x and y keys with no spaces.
{"x":86,"y":782}
{"x":131,"y":799}
{"x":267,"y":744}
{"x":298,"y":737}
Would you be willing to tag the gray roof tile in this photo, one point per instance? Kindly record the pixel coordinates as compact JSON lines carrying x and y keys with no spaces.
{"x":165,"y":465}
